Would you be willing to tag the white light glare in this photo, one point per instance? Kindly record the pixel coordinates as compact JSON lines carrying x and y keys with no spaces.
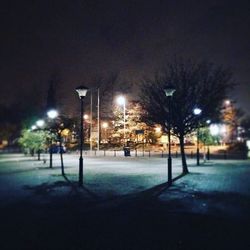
{"x":197,"y":111}
{"x":52,"y":113}
{"x":40,"y":123}
{"x":121,"y":100}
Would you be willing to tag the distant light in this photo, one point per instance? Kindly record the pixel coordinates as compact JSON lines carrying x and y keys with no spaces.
{"x":33,"y":127}
{"x":197,"y":111}
{"x":121,"y":100}
{"x":158,"y":129}
{"x":208,"y":121}
{"x":85,"y":117}
{"x":40,"y":123}
{"x":105,"y":125}
{"x":52,"y":114}
{"x":214,"y":129}
{"x":227,"y":102}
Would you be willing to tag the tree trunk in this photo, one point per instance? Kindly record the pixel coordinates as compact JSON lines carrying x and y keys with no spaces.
{"x":38,"y":155}
{"x":183,"y":155}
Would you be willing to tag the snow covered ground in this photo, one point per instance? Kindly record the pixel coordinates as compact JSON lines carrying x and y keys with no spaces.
{"x":217,"y":186}
{"x":123,"y":204}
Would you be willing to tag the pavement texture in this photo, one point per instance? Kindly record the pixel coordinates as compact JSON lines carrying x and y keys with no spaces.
{"x":125,"y":203}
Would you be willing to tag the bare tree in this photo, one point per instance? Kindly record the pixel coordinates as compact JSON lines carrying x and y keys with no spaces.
{"x":199,"y":84}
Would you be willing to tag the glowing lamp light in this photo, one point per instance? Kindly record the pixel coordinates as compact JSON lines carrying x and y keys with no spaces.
{"x":52,"y":114}
{"x":82,"y":91}
{"x":121,"y":100}
{"x":40,"y":123}
{"x":105,"y":125}
{"x":169,"y":90}
{"x":157,"y":129}
{"x":197,"y":111}
{"x":227,"y":102}
{"x":33,"y":127}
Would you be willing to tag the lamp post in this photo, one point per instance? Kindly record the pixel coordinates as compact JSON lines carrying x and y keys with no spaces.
{"x":169,"y":91}
{"x":52,"y":114}
{"x":105,"y":126}
{"x":39,"y":124}
{"x":122,"y":101}
{"x":197,"y":112}
{"x":82,"y":91}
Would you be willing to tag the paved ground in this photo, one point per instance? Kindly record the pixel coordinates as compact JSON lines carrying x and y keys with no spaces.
{"x":124,"y":204}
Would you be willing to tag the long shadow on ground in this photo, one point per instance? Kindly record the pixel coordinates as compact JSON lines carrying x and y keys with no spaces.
{"x":140,"y":221}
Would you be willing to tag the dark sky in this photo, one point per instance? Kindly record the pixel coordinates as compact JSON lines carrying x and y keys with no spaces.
{"x":79,"y":39}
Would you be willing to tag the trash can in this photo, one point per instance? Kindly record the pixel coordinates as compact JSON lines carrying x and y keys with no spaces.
{"x":126,"y":151}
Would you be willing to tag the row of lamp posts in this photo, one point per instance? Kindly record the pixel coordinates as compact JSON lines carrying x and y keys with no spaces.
{"x":169,"y":91}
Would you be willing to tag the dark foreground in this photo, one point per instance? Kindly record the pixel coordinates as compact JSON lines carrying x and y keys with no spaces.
{"x":127,"y":223}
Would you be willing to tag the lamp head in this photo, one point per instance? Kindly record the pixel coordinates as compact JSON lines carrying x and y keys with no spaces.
{"x":169,"y":90}
{"x":197,"y":111}
{"x":40,"y":123}
{"x":82,"y":91}
{"x":52,"y":114}
{"x":121,"y":100}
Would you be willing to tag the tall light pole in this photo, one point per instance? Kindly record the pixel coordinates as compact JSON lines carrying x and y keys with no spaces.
{"x":40,"y":124}
{"x":122,"y":101}
{"x":169,"y":91}
{"x":197,"y":112}
{"x":105,"y":126}
{"x":52,"y":114}
{"x":82,"y":92}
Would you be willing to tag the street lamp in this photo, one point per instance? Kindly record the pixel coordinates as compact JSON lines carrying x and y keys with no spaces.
{"x":82,"y":92}
{"x":105,"y":126}
{"x":33,"y":127}
{"x":40,"y":123}
{"x":122,"y":101}
{"x":197,"y":112}
{"x":52,"y":114}
{"x":169,"y":91}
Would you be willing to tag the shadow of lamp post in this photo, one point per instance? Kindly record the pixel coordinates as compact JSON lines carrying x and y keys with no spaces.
{"x":82,"y":92}
{"x":169,"y":91}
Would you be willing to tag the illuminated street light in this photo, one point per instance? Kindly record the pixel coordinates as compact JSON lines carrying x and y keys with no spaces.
{"x":158,"y":129}
{"x":122,"y":102}
{"x":86,"y":117}
{"x":82,"y":92}
{"x":40,"y":123}
{"x":33,"y":127}
{"x":105,"y":125}
{"x":169,"y":91}
{"x":52,"y":114}
{"x":197,"y":111}
{"x":227,"y":102}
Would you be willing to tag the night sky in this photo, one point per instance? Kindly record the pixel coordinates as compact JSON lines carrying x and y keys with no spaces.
{"x":78,"y":40}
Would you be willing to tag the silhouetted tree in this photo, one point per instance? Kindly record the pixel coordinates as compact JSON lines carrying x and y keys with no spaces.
{"x":200,"y":85}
